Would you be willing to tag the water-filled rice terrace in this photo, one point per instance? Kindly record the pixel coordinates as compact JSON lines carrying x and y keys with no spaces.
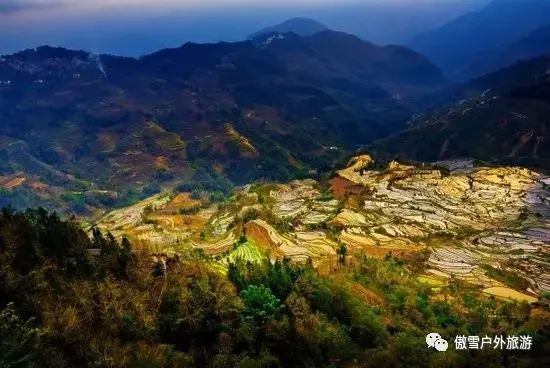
{"x":488,"y":227}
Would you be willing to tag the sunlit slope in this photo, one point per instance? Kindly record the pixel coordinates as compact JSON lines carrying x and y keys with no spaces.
{"x":489,"y":227}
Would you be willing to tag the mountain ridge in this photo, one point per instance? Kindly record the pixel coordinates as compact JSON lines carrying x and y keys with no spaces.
{"x":500,"y":118}
{"x":455,"y":45}
{"x":197,"y":113}
{"x":536,"y":43}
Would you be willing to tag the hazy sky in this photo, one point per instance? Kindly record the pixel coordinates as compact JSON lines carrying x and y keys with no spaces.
{"x":133,"y":27}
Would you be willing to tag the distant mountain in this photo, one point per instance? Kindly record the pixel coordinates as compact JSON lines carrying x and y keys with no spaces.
{"x":343,"y":61}
{"x":456,"y":45}
{"x":200,"y":113}
{"x":299,"y":26}
{"x":502,"y":117}
{"x":537,"y":43}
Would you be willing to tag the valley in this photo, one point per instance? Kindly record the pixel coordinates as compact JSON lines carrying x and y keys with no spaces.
{"x":498,"y":119}
{"x":300,"y":198}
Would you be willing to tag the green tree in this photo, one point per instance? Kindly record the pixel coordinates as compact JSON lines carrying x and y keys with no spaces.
{"x":236,"y":276}
{"x":18,"y":340}
{"x":343,"y":252}
{"x":260,"y":304}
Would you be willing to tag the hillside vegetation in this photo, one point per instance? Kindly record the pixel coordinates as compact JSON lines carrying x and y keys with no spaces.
{"x":98,"y":131}
{"x":71,"y":300}
{"x":500,"y":118}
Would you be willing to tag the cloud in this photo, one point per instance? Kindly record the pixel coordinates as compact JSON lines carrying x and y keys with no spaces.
{"x":12,"y":6}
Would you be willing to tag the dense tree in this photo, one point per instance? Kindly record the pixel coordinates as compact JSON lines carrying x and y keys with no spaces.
{"x":19,"y":340}
{"x":260,"y":304}
{"x":64,"y":305}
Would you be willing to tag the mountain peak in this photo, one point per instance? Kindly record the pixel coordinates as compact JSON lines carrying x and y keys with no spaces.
{"x":299,"y":26}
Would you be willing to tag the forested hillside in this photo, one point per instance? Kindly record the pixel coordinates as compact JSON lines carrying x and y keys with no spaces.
{"x":68,"y":300}
{"x":500,"y":118}
{"x":97,"y":131}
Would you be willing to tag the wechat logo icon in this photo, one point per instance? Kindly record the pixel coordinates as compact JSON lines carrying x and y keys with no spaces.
{"x":434,"y":340}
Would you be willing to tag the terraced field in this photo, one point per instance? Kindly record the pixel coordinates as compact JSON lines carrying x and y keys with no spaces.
{"x":489,"y":227}
{"x":467,"y":217}
{"x":298,"y":246}
{"x":246,"y":148}
{"x":219,"y":246}
{"x":156,"y":220}
{"x":247,"y":252}
{"x":11,"y":181}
